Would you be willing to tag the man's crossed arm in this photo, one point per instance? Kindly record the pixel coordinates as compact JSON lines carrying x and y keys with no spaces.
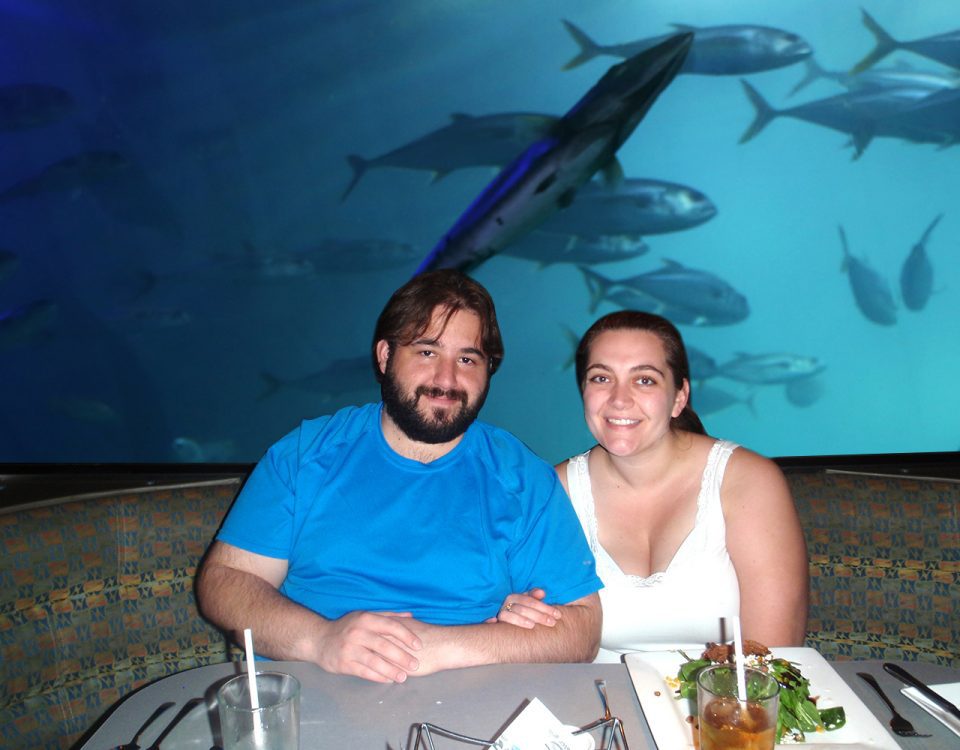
{"x":237,"y":589}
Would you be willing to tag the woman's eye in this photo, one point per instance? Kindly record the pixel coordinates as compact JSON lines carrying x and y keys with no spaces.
{"x":646,"y":381}
{"x":599,"y":379}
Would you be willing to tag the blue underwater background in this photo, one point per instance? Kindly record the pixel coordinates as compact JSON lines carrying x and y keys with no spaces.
{"x":181,"y":278}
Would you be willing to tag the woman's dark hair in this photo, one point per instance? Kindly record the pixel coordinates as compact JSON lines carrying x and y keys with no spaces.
{"x":663,"y":329}
{"x":408,"y":312}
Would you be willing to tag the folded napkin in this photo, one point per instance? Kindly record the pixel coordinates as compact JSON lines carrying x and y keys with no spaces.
{"x":950,"y":691}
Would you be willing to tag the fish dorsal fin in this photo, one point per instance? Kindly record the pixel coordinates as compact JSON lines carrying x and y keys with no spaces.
{"x":668,"y":263}
{"x":460,"y":117}
{"x":438,"y":175}
{"x":566,"y":198}
{"x":612,"y":172}
{"x":683,"y":27}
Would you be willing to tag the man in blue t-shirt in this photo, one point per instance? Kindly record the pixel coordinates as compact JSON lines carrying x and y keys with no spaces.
{"x":388,"y":540}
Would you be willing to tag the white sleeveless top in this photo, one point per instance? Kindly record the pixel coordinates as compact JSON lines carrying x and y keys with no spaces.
{"x":682,"y":606}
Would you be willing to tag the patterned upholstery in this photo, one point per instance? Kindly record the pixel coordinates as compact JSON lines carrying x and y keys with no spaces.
{"x":96,"y":600}
{"x":884,"y":565}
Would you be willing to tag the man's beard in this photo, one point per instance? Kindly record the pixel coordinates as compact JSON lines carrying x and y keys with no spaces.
{"x":443,"y":426}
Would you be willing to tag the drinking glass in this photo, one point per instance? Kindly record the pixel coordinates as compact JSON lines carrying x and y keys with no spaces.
{"x":726,"y":722}
{"x":275,"y":725}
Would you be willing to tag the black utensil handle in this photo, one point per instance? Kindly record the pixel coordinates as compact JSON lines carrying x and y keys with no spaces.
{"x":871,"y":681}
{"x":904,"y":676}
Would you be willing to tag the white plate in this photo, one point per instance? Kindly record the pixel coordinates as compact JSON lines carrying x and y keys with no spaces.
{"x":668,"y":715}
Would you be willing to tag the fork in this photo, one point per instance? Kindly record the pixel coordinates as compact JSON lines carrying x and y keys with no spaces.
{"x":898,"y":724}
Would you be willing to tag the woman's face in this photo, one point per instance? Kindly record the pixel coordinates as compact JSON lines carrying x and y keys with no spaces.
{"x":628,"y":393}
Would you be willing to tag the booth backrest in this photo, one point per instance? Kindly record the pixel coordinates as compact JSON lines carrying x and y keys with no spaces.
{"x":96,"y":600}
{"x":884,"y":565}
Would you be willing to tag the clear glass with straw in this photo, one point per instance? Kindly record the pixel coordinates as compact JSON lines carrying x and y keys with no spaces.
{"x":737,"y":705}
{"x":259,"y":710}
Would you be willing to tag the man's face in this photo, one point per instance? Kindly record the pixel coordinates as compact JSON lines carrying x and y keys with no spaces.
{"x":434,"y":387}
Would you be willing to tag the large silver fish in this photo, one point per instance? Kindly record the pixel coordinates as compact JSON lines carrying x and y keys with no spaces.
{"x":735,"y":49}
{"x":635,"y":206}
{"x":546,"y":176}
{"x":769,"y":369}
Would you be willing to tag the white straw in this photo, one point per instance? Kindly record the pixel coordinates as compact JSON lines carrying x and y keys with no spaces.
{"x":252,"y":683}
{"x":738,"y":650}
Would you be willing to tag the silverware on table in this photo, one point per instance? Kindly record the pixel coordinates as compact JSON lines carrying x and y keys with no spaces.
{"x":904,"y":676}
{"x":898,"y":724}
{"x":134,"y":744}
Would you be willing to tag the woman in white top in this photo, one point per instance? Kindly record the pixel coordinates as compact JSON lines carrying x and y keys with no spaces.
{"x":686,"y":529}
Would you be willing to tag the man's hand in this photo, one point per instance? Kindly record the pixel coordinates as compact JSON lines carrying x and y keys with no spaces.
{"x":376,"y":646}
{"x":528,"y":610}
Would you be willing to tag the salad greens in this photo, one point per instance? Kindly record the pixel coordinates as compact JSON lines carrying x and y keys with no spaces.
{"x":797,"y":714}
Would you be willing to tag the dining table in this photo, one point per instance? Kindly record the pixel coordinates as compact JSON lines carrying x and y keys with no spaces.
{"x":338,"y":711}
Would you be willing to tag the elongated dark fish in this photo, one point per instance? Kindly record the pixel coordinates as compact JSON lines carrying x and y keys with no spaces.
{"x":944,"y":48}
{"x":28,"y":323}
{"x":546,"y":176}
{"x":916,"y":276}
{"x":716,"y":50}
{"x":870,"y":290}
{"x":74,"y":173}
{"x":468,"y":141}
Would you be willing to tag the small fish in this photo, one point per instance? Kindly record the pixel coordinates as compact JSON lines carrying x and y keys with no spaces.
{"x":32,"y":105}
{"x":547,"y":248}
{"x":916,"y":276}
{"x":769,"y":369}
{"x":27,"y":323}
{"x":633,"y":206}
{"x":189,"y":450}
{"x":716,"y":50}
{"x":804,"y":392}
{"x":340,"y":377}
{"x":546,"y":177}
{"x":702,"y":365}
{"x":72,"y":175}
{"x":709,"y":399}
{"x":89,"y":410}
{"x":877,"y":78}
{"x":361,"y":255}
{"x":944,"y":48}
{"x":870,"y":290}
{"x":468,"y":141}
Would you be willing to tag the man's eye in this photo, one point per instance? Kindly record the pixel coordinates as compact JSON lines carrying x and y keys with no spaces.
{"x":599,"y":379}
{"x":467,"y":361}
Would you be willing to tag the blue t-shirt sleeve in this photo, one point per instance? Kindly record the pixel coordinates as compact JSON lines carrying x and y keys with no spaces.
{"x":261,"y":518}
{"x":552,"y":552}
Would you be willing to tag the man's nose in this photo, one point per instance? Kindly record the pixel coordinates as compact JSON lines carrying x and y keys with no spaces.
{"x":445,"y":373}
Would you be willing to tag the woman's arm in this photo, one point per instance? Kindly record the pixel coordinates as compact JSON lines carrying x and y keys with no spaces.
{"x":766,"y":543}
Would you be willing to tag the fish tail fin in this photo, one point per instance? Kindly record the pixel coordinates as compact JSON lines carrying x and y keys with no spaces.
{"x":813,"y":71}
{"x":933,"y":224}
{"x":589,"y":49}
{"x":846,"y":248}
{"x":597,"y":285}
{"x":574,"y":341}
{"x":273,"y":384}
{"x":749,"y":401}
{"x":884,"y":46}
{"x":764,"y":113}
{"x":359,"y":166}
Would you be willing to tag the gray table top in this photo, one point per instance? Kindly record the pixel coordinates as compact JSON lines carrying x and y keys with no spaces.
{"x":338,"y":711}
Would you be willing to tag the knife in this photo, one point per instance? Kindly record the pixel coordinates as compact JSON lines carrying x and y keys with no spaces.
{"x":904,"y":676}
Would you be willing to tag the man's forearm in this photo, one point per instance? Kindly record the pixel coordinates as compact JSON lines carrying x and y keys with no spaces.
{"x":233,"y":600}
{"x":575,"y":638}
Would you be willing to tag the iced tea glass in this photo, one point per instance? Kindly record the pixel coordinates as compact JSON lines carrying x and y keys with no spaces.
{"x":726,"y":722}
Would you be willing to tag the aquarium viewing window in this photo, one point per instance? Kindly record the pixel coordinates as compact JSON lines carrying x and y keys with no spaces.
{"x":205,"y":206}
